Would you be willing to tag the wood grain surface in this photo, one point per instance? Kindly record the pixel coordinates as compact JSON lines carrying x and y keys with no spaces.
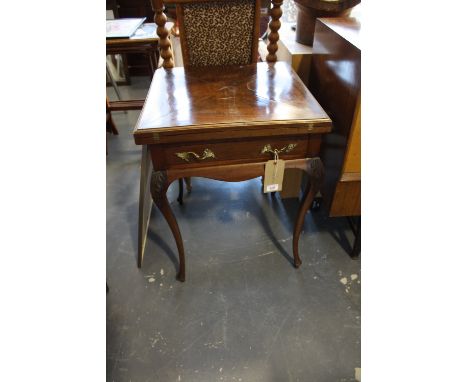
{"x":246,"y":97}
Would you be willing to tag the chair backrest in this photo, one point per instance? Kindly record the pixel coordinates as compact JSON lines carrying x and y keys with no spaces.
{"x":217,"y":32}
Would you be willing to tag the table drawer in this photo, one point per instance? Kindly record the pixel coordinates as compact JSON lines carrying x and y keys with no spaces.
{"x":232,"y":151}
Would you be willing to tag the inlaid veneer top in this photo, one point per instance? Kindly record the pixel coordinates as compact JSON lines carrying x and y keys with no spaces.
{"x":260,"y":94}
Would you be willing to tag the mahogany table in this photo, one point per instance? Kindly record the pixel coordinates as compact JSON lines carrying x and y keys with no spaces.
{"x":224,"y":124}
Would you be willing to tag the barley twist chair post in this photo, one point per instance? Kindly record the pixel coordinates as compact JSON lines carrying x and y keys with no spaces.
{"x":275,"y":24}
{"x":164,"y":42}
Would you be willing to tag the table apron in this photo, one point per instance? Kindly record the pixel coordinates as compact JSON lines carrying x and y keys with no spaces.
{"x":234,"y":151}
{"x":232,"y":173}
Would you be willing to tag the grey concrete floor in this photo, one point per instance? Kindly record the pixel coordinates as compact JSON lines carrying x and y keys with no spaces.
{"x":244,"y":313}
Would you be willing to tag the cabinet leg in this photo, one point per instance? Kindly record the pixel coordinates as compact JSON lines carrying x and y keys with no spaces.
{"x":315,"y":174}
{"x":158,"y":189}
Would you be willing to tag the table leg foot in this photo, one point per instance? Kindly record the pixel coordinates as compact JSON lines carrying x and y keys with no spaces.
{"x":159,"y":186}
{"x":297,"y":262}
{"x":181,"y":276}
{"x":316,"y":173}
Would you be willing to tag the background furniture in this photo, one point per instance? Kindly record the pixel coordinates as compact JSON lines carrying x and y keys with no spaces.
{"x":116,"y":65}
{"x":309,"y":10}
{"x":298,"y":55}
{"x":114,"y":84}
{"x":137,"y":64}
{"x":147,"y":47}
{"x":336,"y":83}
{"x":110,"y":125}
{"x":224,"y":115}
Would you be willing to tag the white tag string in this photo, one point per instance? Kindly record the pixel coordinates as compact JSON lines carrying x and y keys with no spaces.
{"x":276,"y":163}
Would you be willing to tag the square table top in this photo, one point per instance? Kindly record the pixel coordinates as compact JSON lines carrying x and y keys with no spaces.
{"x":261,"y":94}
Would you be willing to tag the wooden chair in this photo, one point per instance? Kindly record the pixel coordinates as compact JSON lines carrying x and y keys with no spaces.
{"x":223,"y":115}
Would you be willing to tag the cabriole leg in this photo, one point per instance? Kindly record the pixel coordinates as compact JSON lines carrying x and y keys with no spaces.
{"x":159,"y":186}
{"x":315,"y":172}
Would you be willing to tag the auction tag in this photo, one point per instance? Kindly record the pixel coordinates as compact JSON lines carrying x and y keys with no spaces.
{"x":273,"y":179}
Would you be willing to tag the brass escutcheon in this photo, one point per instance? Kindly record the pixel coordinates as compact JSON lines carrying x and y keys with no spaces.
{"x":186,"y":156}
{"x":285,"y":149}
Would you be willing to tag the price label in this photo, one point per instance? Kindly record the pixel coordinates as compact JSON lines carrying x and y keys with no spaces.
{"x":273,"y":179}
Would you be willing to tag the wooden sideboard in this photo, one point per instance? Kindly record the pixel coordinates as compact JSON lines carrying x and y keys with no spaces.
{"x":335,"y":81}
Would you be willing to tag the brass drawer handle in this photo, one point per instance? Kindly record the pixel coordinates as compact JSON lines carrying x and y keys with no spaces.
{"x":285,"y":149}
{"x":207,"y":153}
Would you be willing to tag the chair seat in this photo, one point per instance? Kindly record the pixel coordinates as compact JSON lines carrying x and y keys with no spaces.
{"x":255,"y":96}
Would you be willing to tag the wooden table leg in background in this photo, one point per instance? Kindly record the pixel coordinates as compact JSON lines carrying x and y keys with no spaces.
{"x":110,"y":125}
{"x":188,"y":184}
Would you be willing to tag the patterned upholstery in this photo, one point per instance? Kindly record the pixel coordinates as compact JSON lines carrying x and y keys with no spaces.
{"x":219,"y":33}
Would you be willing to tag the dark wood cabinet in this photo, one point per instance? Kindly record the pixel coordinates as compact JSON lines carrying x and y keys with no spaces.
{"x":335,"y":81}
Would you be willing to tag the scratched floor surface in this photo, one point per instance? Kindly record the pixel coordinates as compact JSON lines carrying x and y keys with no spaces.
{"x":244,"y":313}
